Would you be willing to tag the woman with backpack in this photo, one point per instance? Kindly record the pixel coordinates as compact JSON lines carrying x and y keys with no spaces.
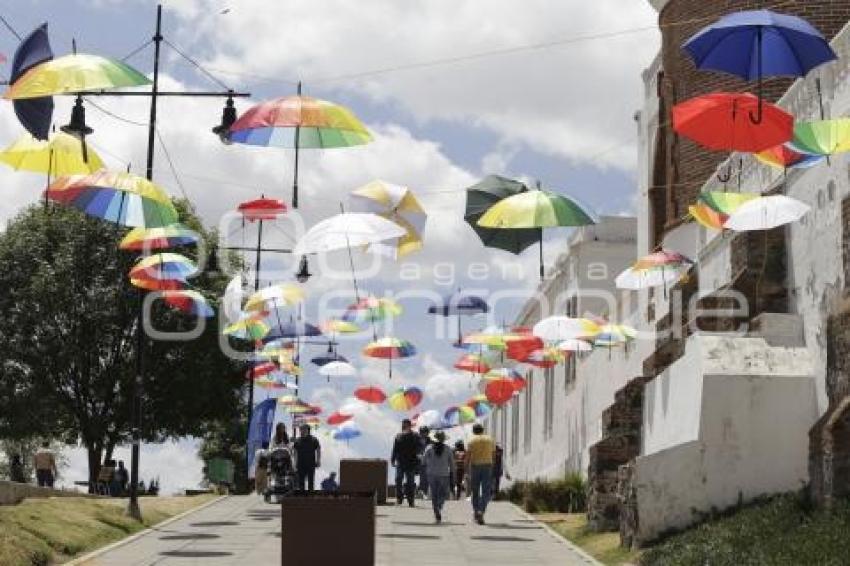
{"x":439,"y":463}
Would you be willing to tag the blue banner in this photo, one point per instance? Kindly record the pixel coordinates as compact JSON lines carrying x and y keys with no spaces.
{"x":260,"y":430}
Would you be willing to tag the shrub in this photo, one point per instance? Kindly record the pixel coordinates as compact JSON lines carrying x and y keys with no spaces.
{"x":567,"y":495}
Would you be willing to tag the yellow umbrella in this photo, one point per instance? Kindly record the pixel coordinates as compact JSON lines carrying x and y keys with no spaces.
{"x":284,"y":294}
{"x":77,"y":72}
{"x":61,"y":154}
{"x":395,"y":203}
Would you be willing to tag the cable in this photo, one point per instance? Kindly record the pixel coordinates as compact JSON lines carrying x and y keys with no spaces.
{"x":113,"y":115}
{"x":137,"y":50}
{"x":171,"y":164}
{"x":10,"y":28}
{"x":197,"y":65}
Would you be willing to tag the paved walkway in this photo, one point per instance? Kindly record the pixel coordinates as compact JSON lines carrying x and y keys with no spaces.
{"x":244,"y":530}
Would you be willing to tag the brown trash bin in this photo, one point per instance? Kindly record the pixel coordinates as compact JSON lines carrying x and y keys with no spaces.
{"x":357,"y":475}
{"x":328,"y":529}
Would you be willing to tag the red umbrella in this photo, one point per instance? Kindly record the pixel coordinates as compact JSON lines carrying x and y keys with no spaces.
{"x":262,"y":209}
{"x":472,"y":363}
{"x":370,"y":395}
{"x":262,"y":369}
{"x":721,"y":121}
{"x":338,"y":418}
{"x":519,"y":349}
{"x":499,"y":391}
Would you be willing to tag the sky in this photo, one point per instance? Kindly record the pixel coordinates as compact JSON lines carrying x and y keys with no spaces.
{"x":451,"y":91}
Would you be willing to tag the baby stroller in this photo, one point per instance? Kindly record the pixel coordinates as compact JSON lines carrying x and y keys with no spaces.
{"x":281,"y":475}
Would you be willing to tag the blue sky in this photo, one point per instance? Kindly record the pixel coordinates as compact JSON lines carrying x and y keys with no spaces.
{"x":560,"y":113}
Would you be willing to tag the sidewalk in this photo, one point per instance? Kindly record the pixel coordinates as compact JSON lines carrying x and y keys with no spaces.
{"x":244,"y":530}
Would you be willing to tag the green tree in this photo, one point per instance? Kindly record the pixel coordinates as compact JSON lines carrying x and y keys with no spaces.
{"x":67,"y":328}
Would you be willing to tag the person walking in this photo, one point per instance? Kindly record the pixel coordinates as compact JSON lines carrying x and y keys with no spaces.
{"x":498,"y":469}
{"x":439,"y":461}
{"x":261,"y":471}
{"x":424,"y":443}
{"x":329,"y":484}
{"x":405,"y":459}
{"x":44,"y":462}
{"x":122,"y":478}
{"x":280,"y":438}
{"x":16,"y":469}
{"x":460,"y":468}
{"x":308,"y":457}
{"x":479,"y":463}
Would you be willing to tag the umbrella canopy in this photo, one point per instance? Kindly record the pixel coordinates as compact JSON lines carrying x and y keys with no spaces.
{"x":371,"y":309}
{"x":611,"y":335}
{"x":499,"y":391}
{"x":122,"y":198}
{"x":481,"y":405}
{"x":338,"y":418}
{"x":754,"y":44}
{"x":158,"y":284}
{"x":483,"y":195}
{"x":458,"y":304}
{"x":248,"y":329}
{"x":149,"y":239}
{"x":299,"y":121}
{"x":784,"y":157}
{"x":61,"y":154}
{"x":285,"y":400}
{"x":34,"y":114}
{"x":459,"y":415}
{"x":714,"y":207}
{"x":395,"y":203}
{"x":188,"y":301}
{"x":721,"y":121}
{"x":544,"y":358}
{"x":164,"y":266}
{"x":472,"y":363}
{"x":822,"y":137}
{"x":347,"y":230}
{"x":654,"y":270}
{"x":371,"y":395}
{"x":262,"y":209}
{"x":574,"y":345}
{"x":405,"y":398}
{"x":537,"y":209}
{"x":74,"y":73}
{"x":707,"y":217}
{"x":262,"y":368}
{"x":339,"y":326}
{"x":389,"y":348}
{"x":293,"y":329}
{"x":284,"y":294}
{"x":347,"y":431}
{"x":560,"y":328}
{"x":326,"y":359}
{"x":338,"y":369}
{"x":765,"y":213}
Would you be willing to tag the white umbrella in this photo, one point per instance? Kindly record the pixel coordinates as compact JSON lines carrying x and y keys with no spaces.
{"x":338,"y":369}
{"x":232,"y":303}
{"x":765,"y":213}
{"x":347,"y":230}
{"x":636,"y":279}
{"x":574,"y":345}
{"x":430,"y":419}
{"x":560,"y":328}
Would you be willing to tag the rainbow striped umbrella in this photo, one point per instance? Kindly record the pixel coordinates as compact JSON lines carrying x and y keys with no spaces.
{"x":122,"y":198}
{"x":480,"y":404}
{"x":371,"y":309}
{"x":405,"y":398}
{"x":74,"y":73}
{"x":248,"y":329}
{"x":784,"y":157}
{"x":284,"y":294}
{"x":389,"y":348}
{"x":822,"y":137}
{"x":544,"y":358}
{"x":147,"y":239}
{"x":188,"y":301}
{"x":459,"y":415}
{"x":164,"y":266}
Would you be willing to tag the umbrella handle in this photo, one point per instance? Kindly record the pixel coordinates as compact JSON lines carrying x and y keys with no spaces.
{"x":759,"y":116}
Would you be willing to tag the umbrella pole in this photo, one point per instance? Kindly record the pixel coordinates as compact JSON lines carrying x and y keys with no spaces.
{"x":541,"y":254}
{"x":295,"y":172}
{"x":757,"y":118}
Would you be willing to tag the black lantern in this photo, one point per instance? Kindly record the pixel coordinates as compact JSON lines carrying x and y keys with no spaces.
{"x":303,"y":273}
{"x":228,"y":116}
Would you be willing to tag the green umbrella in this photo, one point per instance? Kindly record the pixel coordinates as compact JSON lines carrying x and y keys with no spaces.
{"x":484,"y":194}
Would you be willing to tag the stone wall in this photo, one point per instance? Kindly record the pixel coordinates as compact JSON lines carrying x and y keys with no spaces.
{"x":12,"y":493}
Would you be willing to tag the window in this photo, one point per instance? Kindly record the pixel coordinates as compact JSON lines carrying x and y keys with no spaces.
{"x":528,"y":397}
{"x":548,"y":403}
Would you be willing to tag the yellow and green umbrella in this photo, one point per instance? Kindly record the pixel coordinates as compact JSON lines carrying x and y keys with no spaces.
{"x":405,"y":398}
{"x":822,"y":137}
{"x":395,"y":203}
{"x":284,"y":294}
{"x":713,"y":208}
{"x":459,"y":415}
{"x":248,"y":329}
{"x":77,"y":72}
{"x":537,"y":209}
{"x":61,"y":154}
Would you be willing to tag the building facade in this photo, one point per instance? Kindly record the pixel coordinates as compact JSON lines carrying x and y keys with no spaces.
{"x":738,"y":384}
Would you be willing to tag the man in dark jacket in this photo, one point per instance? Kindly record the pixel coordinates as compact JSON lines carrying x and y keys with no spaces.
{"x":405,"y":458}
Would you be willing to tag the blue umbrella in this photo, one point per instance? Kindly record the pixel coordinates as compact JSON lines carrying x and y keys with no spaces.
{"x":346,"y":433}
{"x":459,"y":304}
{"x":34,"y":114}
{"x":328,"y":358}
{"x":755,"y":44}
{"x":292,"y":329}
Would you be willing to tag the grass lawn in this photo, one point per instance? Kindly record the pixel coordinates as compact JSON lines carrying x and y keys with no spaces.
{"x":48,"y":531}
{"x":605,"y":547}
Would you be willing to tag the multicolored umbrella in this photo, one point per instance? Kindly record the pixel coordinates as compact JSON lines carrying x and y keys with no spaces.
{"x":721,"y":121}
{"x":765,"y":213}
{"x":283,"y":294}
{"x":188,"y":301}
{"x":472,"y":363}
{"x":158,"y":285}
{"x":371,"y":395}
{"x":150,"y":239}
{"x":405,"y":398}
{"x":611,"y":335}
{"x":784,"y":157}
{"x":559,"y":328}
{"x":389,"y":348}
{"x":544,"y":358}
{"x":499,"y":391}
{"x":654,"y":270}
{"x":538,"y":209}
{"x":73,"y":73}
{"x":61,"y":154}
{"x":395,"y":203}
{"x":371,"y":309}
{"x":248,"y":329}
{"x":480,"y":404}
{"x":122,"y":198}
{"x":164,"y":266}
{"x":518,"y":382}
{"x":823,"y":137}
{"x":714,"y":207}
{"x":297,"y":122}
{"x":339,"y":326}
{"x":483,"y":195}
{"x":261,"y":369}
{"x":459,"y":415}
{"x":285,"y":400}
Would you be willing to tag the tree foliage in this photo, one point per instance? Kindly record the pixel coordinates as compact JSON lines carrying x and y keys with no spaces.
{"x":67,"y":340}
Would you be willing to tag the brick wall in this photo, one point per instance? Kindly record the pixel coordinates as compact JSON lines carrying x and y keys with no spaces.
{"x":689,"y":166}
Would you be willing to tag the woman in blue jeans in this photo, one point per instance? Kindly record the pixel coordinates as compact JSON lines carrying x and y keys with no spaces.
{"x":439,"y":461}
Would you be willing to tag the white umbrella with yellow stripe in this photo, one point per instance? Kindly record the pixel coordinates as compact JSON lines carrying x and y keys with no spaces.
{"x":398,"y":204}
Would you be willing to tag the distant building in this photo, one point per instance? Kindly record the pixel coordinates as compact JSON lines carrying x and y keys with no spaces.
{"x":699,"y":418}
